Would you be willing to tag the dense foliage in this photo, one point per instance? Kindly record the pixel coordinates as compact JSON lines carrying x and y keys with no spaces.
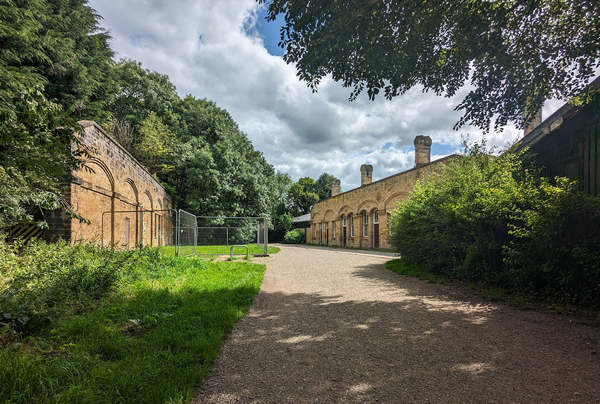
{"x":42,"y":281}
{"x":490,"y":219}
{"x":79,"y":324}
{"x":295,"y":236}
{"x":54,"y":69}
{"x":515,"y":54}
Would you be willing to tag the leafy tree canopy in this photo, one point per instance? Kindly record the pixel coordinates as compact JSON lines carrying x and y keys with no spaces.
{"x":515,"y":54}
{"x":323,"y":185}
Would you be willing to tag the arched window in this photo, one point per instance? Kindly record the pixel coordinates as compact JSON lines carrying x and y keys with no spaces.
{"x":365,"y":224}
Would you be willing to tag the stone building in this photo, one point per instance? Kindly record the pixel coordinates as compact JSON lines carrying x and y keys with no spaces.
{"x":359,"y":217}
{"x":124,"y":204}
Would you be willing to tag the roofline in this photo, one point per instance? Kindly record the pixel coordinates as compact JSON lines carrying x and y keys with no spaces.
{"x":440,"y":160}
{"x":86,"y":124}
{"x":554,"y":121}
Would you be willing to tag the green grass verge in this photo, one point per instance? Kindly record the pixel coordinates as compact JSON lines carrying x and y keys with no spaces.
{"x":403,"y":268}
{"x":151,"y":341}
{"x":524,"y":302}
{"x":253,"y":249}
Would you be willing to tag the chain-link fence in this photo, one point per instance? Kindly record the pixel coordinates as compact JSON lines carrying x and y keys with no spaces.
{"x":216,"y":235}
{"x":183,"y":233}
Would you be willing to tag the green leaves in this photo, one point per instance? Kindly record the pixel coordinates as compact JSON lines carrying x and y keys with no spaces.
{"x":514,"y":54}
{"x":494,"y":220}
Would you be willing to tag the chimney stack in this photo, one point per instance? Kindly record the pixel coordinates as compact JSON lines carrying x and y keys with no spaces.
{"x":336,"y":187}
{"x":366,"y":174}
{"x":534,"y":123}
{"x":422,"y":150}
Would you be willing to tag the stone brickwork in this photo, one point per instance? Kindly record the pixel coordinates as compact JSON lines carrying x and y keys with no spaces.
{"x":359,"y":218}
{"x":124,"y":203}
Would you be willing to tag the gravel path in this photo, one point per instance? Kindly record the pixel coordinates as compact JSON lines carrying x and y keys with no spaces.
{"x":336,"y":326}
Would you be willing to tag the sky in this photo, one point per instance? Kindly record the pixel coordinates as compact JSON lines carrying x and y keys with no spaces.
{"x":226,"y":52}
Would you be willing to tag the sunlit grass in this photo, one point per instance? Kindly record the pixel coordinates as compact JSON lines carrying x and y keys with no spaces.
{"x":253,"y":249}
{"x":151,"y":341}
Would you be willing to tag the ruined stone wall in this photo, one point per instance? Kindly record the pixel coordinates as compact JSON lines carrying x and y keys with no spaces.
{"x":123,"y":202}
{"x":376,"y":200}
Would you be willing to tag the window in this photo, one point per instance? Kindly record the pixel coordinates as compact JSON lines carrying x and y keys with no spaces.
{"x":333,"y":226}
{"x":389,"y":224}
{"x":376,"y":217}
{"x":365,"y":224}
{"x":320,"y":232}
{"x":344,"y":221}
{"x":351,"y":220}
{"x":314,"y":231}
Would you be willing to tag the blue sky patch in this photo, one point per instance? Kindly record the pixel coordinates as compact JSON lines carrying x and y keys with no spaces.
{"x":269,"y":31}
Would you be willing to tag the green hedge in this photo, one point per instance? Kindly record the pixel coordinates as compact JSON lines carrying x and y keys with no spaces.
{"x":492,"y":220}
{"x":294,"y":237}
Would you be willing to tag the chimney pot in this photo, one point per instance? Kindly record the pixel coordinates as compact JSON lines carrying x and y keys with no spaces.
{"x":534,"y":123}
{"x":422,"y":150}
{"x":366,"y":174}
{"x":336,"y":187}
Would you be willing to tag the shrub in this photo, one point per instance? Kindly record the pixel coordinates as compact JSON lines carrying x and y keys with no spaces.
{"x":492,"y":220}
{"x":294,"y":236}
{"x":44,"y":280}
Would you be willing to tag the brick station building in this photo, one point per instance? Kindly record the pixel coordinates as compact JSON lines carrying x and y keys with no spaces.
{"x":359,"y":217}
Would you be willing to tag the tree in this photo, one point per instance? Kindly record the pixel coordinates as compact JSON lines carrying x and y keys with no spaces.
{"x":57,"y":44}
{"x":140,"y":92}
{"x":514,"y":54}
{"x":302,"y":196}
{"x":323,"y":185}
{"x":35,"y":157}
{"x":54,"y":64}
{"x":156,"y":145}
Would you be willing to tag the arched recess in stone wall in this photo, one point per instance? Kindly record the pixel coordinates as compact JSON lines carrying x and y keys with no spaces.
{"x":146,"y":224}
{"x":159,"y":225}
{"x":393,"y":199}
{"x":344,"y":210}
{"x":367,"y":205}
{"x":134,"y":189}
{"x":329,"y":215}
{"x":111,"y":214}
{"x":136,"y":194}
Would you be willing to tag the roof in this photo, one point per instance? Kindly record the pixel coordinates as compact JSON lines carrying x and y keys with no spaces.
{"x":554,"y":121}
{"x":301,"y":219}
{"x":440,"y":160}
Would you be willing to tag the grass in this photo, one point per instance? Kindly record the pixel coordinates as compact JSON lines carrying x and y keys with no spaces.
{"x":524,"y":302}
{"x":253,"y":249}
{"x":152,"y":340}
{"x":403,"y":268}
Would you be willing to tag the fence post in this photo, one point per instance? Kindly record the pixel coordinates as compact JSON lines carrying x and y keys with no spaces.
{"x":266,"y":236}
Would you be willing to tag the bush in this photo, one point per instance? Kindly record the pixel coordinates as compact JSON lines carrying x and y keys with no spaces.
{"x":43,"y":281}
{"x":492,"y":220}
{"x":294,"y":236}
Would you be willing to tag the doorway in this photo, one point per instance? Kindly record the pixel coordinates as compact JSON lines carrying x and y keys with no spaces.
{"x":344,"y":231}
{"x":376,"y":229}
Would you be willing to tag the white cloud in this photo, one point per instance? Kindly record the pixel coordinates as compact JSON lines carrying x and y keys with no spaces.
{"x":203,"y":47}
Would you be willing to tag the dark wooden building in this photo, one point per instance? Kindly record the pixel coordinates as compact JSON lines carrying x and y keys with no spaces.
{"x":567,"y":143}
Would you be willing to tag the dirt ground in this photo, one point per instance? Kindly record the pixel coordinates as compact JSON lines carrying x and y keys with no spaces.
{"x":336,"y":326}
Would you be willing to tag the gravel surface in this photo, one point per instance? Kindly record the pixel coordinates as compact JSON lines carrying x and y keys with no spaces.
{"x":336,"y":326}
